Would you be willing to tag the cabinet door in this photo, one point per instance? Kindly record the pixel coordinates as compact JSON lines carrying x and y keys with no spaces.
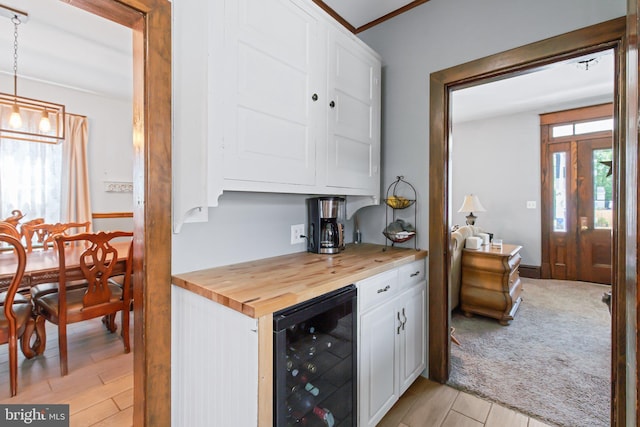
{"x":378,"y":363}
{"x":412,"y":308}
{"x":273,"y":68}
{"x":353,"y":152}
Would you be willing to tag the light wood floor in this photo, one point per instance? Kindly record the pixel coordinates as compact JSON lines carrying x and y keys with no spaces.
{"x":429,"y":404}
{"x":99,"y":387}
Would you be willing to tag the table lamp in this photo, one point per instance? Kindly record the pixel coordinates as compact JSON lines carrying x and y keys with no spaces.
{"x":471,"y":204}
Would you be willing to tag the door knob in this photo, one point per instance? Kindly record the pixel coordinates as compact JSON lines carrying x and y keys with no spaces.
{"x":314,"y":96}
{"x":332,"y":104}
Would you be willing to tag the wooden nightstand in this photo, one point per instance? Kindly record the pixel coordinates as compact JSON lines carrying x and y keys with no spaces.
{"x":491,"y":283}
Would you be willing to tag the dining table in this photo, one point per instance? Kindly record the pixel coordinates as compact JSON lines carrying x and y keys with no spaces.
{"x":43,"y":266}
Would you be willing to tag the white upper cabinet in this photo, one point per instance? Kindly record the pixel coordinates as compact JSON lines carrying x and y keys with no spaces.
{"x":353,"y":150}
{"x":189,"y":112}
{"x":273,"y":68}
{"x":287,"y":101}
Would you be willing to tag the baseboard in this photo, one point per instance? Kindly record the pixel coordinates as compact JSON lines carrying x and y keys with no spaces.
{"x":530,"y":271}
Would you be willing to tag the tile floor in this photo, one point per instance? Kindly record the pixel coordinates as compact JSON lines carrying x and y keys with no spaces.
{"x":429,"y":404}
{"x":99,"y":388}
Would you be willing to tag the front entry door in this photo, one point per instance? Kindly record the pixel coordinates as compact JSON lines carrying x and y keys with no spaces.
{"x":595,"y":219}
{"x":577,"y":203}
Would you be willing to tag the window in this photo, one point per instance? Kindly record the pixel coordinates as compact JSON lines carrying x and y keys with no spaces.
{"x":30,"y":179}
{"x":560,"y":191}
{"x":593,"y":126}
{"x":562,"y":130}
{"x":581,"y":128}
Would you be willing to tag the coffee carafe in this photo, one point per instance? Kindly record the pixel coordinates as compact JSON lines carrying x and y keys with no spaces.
{"x":325,"y":234}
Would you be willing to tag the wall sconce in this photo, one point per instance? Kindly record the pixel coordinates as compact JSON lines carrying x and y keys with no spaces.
{"x":471,"y":204}
{"x":18,"y":113}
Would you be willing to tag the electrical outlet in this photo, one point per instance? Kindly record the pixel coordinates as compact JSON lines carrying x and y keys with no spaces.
{"x":297,"y":234}
{"x":531,"y":204}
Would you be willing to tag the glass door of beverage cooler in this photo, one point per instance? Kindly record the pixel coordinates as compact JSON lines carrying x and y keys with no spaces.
{"x":315,"y":362}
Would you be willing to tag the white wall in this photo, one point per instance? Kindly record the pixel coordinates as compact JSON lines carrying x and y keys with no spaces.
{"x":244,"y":226}
{"x":431,"y":37}
{"x":110,"y":146}
{"x":441,"y":34}
{"x":498,"y":159}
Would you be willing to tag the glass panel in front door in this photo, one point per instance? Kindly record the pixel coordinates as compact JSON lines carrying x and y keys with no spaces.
{"x":560,"y":191}
{"x":602,"y":189}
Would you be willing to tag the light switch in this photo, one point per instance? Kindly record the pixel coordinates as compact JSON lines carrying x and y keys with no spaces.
{"x":531,"y":204}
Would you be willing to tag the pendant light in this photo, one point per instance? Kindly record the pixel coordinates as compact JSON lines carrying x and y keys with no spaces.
{"x":21,"y":111}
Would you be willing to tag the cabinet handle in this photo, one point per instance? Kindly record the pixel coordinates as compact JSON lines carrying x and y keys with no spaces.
{"x":332,"y":104}
{"x":385,"y":289}
{"x":415,"y":274}
{"x":314,"y":96}
{"x":400,"y":324}
{"x":405,"y":318}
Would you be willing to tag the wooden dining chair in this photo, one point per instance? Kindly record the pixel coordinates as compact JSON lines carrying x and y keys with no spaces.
{"x":10,"y":229}
{"x":46,"y":232}
{"x":14,"y":219}
{"x":16,"y":310}
{"x":98,"y":260}
{"x":26,"y":230}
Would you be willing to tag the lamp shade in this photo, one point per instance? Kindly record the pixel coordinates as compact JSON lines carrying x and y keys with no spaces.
{"x":471,"y":203}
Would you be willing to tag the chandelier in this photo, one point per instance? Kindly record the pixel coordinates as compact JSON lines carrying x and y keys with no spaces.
{"x":26,"y":118}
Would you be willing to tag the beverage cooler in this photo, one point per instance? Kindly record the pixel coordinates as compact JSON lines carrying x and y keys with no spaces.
{"x":315,"y":362}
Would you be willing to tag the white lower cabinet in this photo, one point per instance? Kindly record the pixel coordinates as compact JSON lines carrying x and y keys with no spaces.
{"x":392,"y":338}
{"x":377,"y":370}
{"x":412,"y":305}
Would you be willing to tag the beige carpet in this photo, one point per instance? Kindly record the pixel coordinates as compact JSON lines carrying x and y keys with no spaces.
{"x":552,"y":362}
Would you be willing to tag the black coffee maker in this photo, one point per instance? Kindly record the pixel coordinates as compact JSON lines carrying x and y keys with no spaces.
{"x":325,"y":233}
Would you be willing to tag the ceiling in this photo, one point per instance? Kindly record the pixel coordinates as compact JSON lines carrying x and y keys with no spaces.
{"x":564,"y":85}
{"x":63,"y":45}
{"x":359,"y":15}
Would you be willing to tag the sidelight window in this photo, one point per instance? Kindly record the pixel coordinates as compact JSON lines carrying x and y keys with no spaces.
{"x":560,"y":191}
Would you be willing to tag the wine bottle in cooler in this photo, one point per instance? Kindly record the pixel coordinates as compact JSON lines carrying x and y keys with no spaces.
{"x":293,"y":421}
{"x":325,"y":415}
{"x":300,"y":402}
{"x":301,"y":381}
{"x":299,"y":359}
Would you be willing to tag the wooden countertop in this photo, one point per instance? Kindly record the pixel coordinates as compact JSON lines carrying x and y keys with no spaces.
{"x":264,"y":286}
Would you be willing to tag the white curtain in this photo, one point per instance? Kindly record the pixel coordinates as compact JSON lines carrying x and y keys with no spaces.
{"x":75,"y":180}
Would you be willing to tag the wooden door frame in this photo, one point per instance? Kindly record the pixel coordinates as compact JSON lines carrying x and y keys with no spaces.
{"x":150,"y":21}
{"x":547,"y":121}
{"x":514,"y":62}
